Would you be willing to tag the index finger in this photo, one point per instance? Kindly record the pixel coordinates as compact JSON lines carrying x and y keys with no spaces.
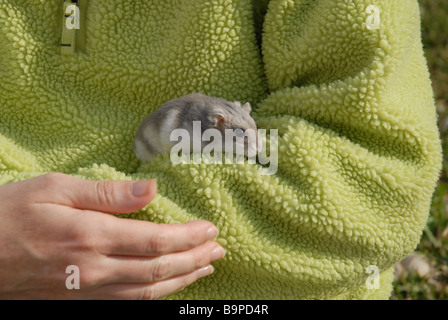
{"x":143,"y":238}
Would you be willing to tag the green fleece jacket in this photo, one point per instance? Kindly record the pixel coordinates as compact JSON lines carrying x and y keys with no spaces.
{"x":345,"y":84}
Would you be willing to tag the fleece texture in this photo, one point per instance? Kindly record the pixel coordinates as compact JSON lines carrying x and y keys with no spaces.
{"x":359,"y":152}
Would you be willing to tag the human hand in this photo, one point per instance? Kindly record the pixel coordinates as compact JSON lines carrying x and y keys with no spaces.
{"x":56,"y":220}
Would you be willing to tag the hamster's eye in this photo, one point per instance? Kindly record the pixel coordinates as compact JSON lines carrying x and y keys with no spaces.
{"x":239,"y":132}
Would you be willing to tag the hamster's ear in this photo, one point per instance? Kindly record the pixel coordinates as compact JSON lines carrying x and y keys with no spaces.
{"x":218,"y":119}
{"x":247,"y":107}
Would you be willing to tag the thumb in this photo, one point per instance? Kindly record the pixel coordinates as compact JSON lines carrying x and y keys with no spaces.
{"x":106,"y":196}
{"x":113,"y":196}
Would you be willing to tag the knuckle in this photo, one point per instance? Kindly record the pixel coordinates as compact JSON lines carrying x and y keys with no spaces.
{"x":90,"y":278}
{"x":198,"y":260}
{"x":105,"y":192}
{"x":162,"y":269}
{"x":149,"y":293}
{"x":53,"y":180}
{"x":185,"y":282}
{"x":159,"y":244}
{"x":194,"y":238}
{"x":84,"y":238}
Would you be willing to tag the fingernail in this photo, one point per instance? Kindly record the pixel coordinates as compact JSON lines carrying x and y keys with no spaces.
{"x":218,"y":253}
{"x":205,"y":271}
{"x":212,"y":233}
{"x":142,"y":188}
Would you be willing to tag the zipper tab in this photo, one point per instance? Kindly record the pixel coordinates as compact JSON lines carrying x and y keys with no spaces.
{"x":70,"y":23}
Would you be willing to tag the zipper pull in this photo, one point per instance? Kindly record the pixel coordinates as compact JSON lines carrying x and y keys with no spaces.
{"x":70,"y":23}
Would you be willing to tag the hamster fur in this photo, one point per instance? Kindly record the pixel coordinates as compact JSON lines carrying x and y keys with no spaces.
{"x":153,"y":134}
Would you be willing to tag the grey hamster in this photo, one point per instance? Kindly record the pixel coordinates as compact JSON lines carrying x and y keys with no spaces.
{"x":153,"y":134}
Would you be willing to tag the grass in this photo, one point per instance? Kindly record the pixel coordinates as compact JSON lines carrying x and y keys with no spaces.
{"x":434,"y":243}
